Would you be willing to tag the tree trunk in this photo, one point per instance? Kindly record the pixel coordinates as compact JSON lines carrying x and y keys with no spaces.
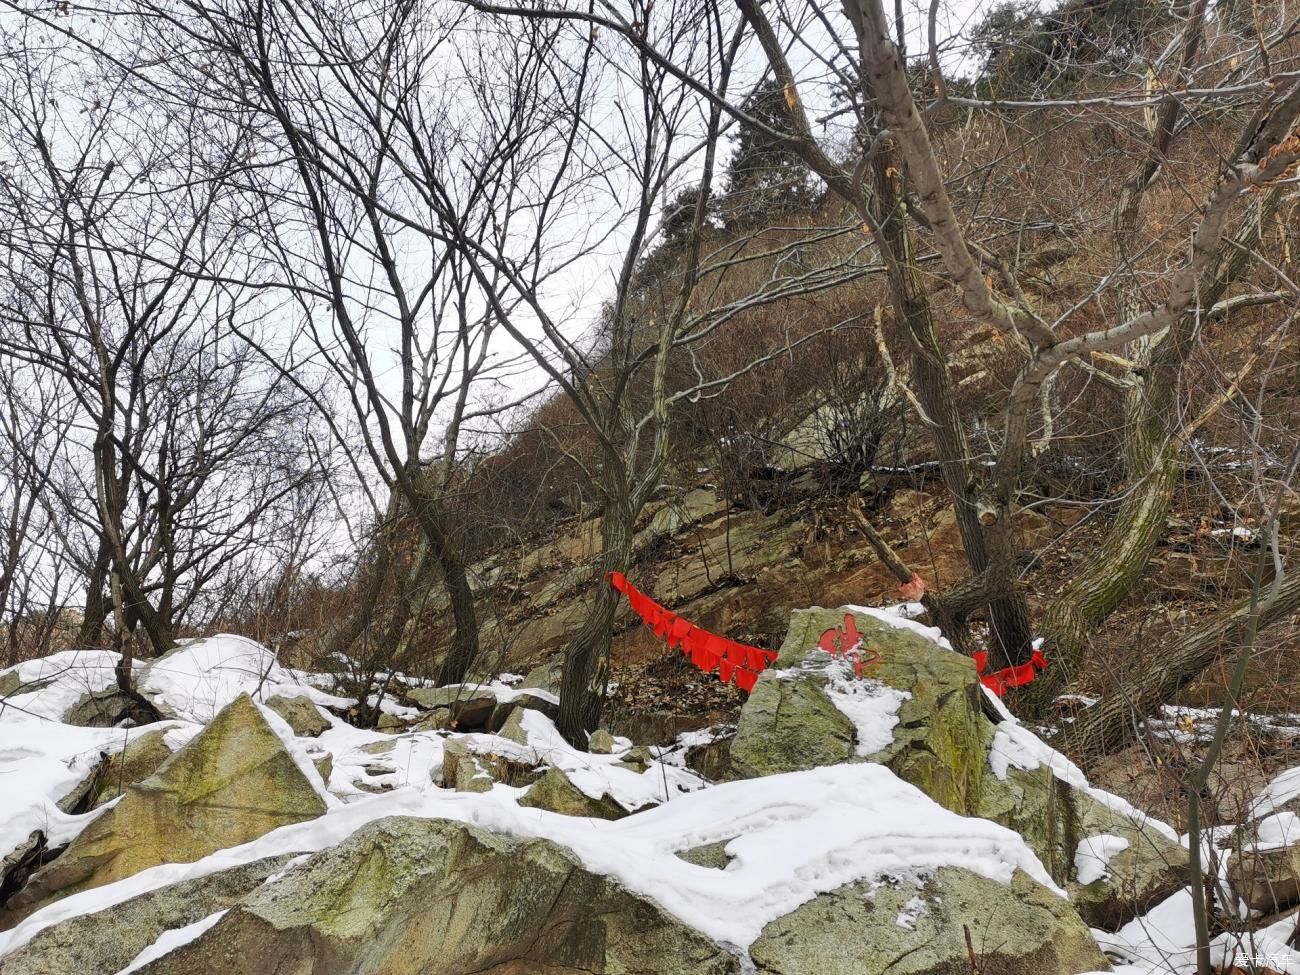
{"x":465,"y":639}
{"x":91,"y":631}
{"x":1110,"y":725}
{"x":1008,"y":613}
{"x":586,"y":658}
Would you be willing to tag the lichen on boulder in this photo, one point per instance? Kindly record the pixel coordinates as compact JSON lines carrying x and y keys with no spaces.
{"x":917,"y":926}
{"x":444,"y":898}
{"x":232,"y":783}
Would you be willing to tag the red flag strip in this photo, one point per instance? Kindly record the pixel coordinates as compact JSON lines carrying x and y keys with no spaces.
{"x":1014,"y":676}
{"x":735,"y":662}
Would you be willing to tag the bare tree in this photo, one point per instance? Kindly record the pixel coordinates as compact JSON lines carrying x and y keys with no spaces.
{"x":184,"y":447}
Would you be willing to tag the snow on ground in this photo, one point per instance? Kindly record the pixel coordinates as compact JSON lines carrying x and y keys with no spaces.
{"x":790,"y":838}
{"x":1162,"y":941}
{"x":51,"y":685}
{"x":201,"y":677}
{"x":40,"y":763}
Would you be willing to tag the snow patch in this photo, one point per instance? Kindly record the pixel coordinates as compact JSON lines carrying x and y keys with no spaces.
{"x":1093,"y":855}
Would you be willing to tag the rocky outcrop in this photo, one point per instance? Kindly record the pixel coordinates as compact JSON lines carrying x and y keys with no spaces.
{"x":444,"y":898}
{"x":918,"y":925}
{"x":106,"y":942}
{"x":939,"y":741}
{"x":469,"y":769}
{"x":301,"y":715}
{"x":232,"y":783}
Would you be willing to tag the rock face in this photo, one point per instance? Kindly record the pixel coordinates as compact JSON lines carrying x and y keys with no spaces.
{"x":1265,"y":867}
{"x":941,"y":744}
{"x":106,"y":942}
{"x":301,"y":714}
{"x":104,"y":709}
{"x":914,"y":926}
{"x":232,"y":783}
{"x":443,"y":898}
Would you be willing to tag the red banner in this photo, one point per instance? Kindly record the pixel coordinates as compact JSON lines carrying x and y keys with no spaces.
{"x":737,"y":663}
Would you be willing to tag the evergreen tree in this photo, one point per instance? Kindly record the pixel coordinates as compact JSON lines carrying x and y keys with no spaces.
{"x":763,"y":176}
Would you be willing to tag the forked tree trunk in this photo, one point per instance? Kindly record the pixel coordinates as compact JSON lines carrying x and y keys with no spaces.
{"x":1151,"y":448}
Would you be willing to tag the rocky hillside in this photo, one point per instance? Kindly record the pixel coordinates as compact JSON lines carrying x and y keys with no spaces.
{"x":899,"y":821}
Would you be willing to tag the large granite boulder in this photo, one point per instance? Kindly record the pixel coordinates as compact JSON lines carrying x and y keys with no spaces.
{"x":919,"y":709}
{"x":232,"y":783}
{"x":918,"y":925}
{"x":444,"y":898}
{"x":555,"y":793}
{"x":106,"y":941}
{"x":800,"y":713}
{"x":460,"y":707}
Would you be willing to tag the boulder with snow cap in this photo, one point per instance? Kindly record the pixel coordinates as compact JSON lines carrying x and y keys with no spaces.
{"x":301,"y":715}
{"x":1264,"y":869}
{"x":919,"y":709}
{"x":555,"y":793}
{"x":916,"y":708}
{"x":230,"y":784}
{"x":523,"y":700}
{"x":459,"y":706}
{"x":467,"y":768}
{"x":917,"y":925}
{"x":445,"y":898}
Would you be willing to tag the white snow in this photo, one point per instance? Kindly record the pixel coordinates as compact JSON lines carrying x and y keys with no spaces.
{"x":872,"y":706}
{"x":170,"y":941}
{"x":1092,"y":857}
{"x":71,"y":675}
{"x":199,"y":678}
{"x":790,"y":837}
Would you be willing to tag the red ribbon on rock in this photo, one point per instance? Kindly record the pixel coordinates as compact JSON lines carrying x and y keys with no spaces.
{"x":737,"y":663}
{"x":1014,"y":676}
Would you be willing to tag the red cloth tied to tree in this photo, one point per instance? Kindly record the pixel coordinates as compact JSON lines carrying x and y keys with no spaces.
{"x":1017,"y":675}
{"x":736,"y":662}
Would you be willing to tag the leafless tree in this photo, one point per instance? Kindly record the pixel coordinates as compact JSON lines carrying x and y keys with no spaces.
{"x":183,"y":448}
